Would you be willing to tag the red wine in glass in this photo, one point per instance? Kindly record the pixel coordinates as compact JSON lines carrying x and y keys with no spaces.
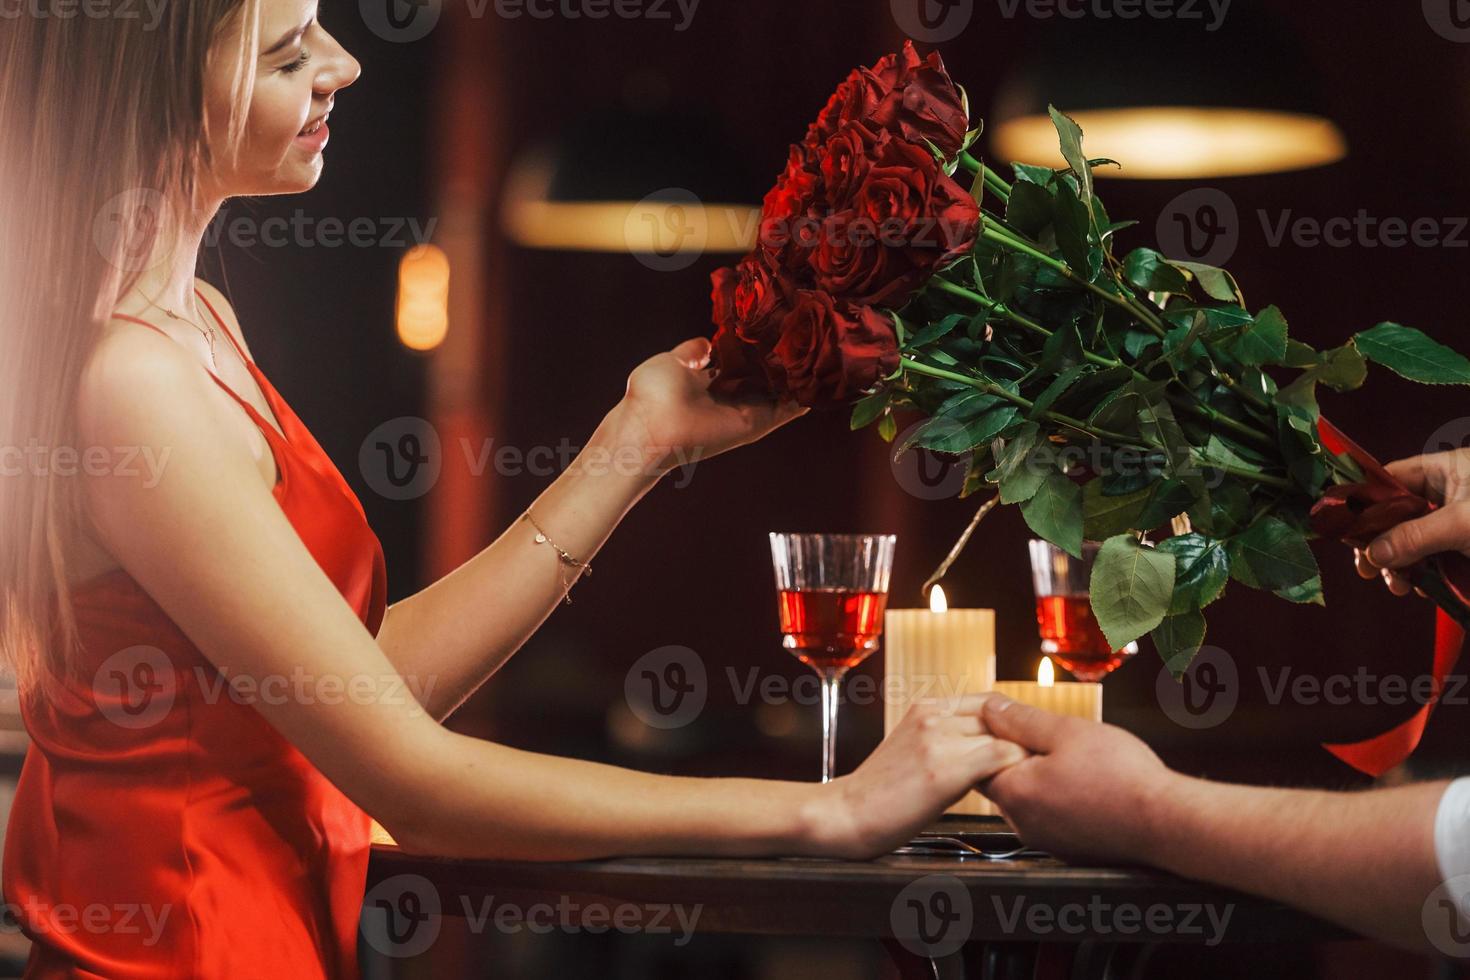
{"x":831,"y":628}
{"x":832,"y":589}
{"x":1070,"y":636}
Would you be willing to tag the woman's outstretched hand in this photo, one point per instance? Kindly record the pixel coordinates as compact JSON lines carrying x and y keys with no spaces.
{"x":674,"y":417}
{"x":1444,"y":479}
{"x":927,"y":763}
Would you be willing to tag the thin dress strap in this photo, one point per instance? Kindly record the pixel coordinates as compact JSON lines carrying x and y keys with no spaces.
{"x":250,"y":409}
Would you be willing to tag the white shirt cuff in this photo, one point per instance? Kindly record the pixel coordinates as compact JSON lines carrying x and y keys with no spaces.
{"x":1452,"y":841}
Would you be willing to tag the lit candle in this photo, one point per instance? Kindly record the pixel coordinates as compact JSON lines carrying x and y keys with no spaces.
{"x":1073,"y":698}
{"x":936,"y":655}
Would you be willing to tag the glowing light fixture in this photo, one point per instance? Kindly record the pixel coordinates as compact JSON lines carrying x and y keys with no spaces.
{"x":1172,"y":142}
{"x":647,"y":183}
{"x":1170,"y":100}
{"x":423,"y":297}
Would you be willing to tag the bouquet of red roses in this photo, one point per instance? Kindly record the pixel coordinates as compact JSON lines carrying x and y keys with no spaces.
{"x":1107,"y":396}
{"x":863,"y":216}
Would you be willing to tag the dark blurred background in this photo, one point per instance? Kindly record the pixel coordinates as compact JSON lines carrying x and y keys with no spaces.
{"x":540,"y":342}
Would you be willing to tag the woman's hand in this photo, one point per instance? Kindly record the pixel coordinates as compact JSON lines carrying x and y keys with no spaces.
{"x":932,"y":759}
{"x":1443,"y":478}
{"x":670,"y":413}
{"x":1086,"y":791}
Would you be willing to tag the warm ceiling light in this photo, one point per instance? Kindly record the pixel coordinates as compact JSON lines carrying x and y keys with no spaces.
{"x":653,"y":227}
{"x":646,"y":183}
{"x":423,"y":297}
{"x":1172,"y":142}
{"x":1169,"y":98}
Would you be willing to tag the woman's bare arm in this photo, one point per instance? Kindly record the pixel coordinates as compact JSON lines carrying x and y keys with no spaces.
{"x":212,"y":547}
{"x":462,"y":628}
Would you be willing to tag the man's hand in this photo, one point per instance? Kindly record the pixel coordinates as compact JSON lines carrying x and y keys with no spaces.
{"x":1087,"y":790}
{"x":1444,"y":479}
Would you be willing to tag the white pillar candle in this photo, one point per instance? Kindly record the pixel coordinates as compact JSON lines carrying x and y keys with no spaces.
{"x":937,"y":655}
{"x":1074,"y":698}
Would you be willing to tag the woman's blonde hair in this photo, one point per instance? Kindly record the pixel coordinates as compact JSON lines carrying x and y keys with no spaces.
{"x":103,"y":139}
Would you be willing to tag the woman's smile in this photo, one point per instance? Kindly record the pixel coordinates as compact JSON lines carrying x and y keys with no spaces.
{"x":314,"y":137}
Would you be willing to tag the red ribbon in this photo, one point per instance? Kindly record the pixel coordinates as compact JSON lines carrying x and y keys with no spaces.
{"x":1357,"y":513}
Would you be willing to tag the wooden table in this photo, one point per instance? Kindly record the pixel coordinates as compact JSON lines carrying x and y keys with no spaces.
{"x":1033,"y":916}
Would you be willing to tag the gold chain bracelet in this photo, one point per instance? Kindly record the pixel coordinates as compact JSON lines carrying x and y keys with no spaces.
{"x":562,"y":556}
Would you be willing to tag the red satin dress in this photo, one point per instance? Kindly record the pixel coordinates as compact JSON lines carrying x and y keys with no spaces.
{"x":162,"y":828}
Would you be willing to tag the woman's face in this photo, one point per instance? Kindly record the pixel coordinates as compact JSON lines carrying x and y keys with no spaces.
{"x":299,"y":69}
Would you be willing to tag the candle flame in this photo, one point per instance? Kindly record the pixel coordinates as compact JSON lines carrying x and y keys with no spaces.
{"x":937,"y":602}
{"x":1046,"y":674}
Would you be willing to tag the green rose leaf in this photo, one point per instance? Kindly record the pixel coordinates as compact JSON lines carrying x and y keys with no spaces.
{"x":1271,"y":554}
{"x":1263,"y":341}
{"x":1148,"y":270}
{"x":1017,"y":480}
{"x":1029,"y":174}
{"x":1410,"y":353}
{"x":1217,"y":283}
{"x":888,"y":428}
{"x":1343,"y":368}
{"x":1179,"y":344}
{"x":1029,"y":210}
{"x":1178,"y":638}
{"x":1104,"y":516}
{"x":931,"y":332}
{"x":1168,"y":499}
{"x":1073,"y":226}
{"x":1071,"y":140}
{"x":1049,"y":395}
{"x":1131,"y":588}
{"x":866,"y":411}
{"x":1309,"y":592}
{"x":1054,"y":512}
{"x":1202,"y":567}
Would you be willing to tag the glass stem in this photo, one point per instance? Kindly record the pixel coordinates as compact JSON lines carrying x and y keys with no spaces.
{"x":831,"y":687}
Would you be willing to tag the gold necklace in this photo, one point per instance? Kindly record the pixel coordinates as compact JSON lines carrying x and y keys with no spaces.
{"x":208,"y":334}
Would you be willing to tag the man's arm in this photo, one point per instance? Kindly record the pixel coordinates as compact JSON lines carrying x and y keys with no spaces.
{"x":1365,"y":860}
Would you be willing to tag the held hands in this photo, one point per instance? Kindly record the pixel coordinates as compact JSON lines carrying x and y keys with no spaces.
{"x":1443,"y":478}
{"x":669,"y":412}
{"x":933,"y":758}
{"x":1086,"y":790}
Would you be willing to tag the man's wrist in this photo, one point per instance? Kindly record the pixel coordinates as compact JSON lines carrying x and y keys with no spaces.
{"x":1165,"y":807}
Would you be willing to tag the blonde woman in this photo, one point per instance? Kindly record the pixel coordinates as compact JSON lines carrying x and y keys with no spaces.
{"x":233,"y":822}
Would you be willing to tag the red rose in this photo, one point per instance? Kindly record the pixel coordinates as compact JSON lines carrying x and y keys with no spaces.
{"x":785,"y":233}
{"x":905,"y":220}
{"x":920,"y":101}
{"x":742,"y":372}
{"x":906,"y":95}
{"x":830,"y":354}
{"x":722,"y":297}
{"x":851,"y":263}
{"x":849,"y":103}
{"x":844,"y":160}
{"x":749,"y":306}
{"x":749,"y":301}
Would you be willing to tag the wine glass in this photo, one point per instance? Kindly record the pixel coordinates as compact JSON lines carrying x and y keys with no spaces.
{"x":832,"y":589}
{"x":1069,"y":633}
